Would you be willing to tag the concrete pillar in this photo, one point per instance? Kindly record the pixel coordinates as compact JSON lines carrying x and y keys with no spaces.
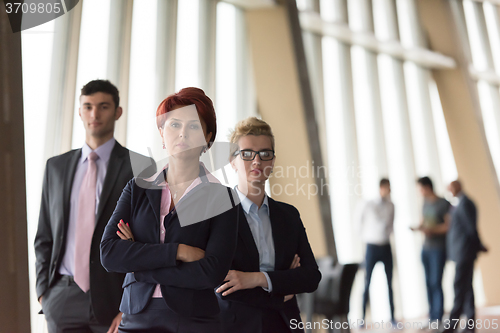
{"x":14,"y":284}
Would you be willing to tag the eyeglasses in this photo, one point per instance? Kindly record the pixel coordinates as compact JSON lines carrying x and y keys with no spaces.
{"x":249,"y":155}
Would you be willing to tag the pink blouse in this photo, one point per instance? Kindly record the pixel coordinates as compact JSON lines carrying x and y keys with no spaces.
{"x":166,"y":198}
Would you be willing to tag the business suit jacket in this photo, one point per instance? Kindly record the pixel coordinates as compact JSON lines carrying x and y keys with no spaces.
{"x":187,"y":288}
{"x":462,"y":238}
{"x":50,"y":240}
{"x":242,"y":311}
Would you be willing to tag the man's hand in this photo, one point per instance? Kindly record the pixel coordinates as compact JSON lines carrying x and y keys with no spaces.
{"x":427,"y":231}
{"x":188,"y":253}
{"x":420,"y":226}
{"x":237,"y":280}
{"x":113,"y":328}
{"x":482,"y":248}
{"x":288,"y":297}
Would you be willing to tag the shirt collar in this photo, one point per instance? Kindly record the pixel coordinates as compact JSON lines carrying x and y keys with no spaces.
{"x":383,"y":200}
{"x":248,"y":204}
{"x":103,"y":151}
{"x":159,"y":179}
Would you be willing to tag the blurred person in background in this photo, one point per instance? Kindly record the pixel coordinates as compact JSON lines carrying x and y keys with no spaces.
{"x":434,"y":224}
{"x":375,"y":221}
{"x":463,"y":245}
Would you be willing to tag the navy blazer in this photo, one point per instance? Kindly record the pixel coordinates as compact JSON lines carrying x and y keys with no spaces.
{"x":462,"y":238}
{"x":242,"y":310}
{"x":187,"y":288}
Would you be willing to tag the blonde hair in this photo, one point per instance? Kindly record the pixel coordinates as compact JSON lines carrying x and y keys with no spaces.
{"x":249,"y":126}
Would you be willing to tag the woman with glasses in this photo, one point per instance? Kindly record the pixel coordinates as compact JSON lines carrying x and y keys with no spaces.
{"x":273,"y":259}
{"x":174,"y":234}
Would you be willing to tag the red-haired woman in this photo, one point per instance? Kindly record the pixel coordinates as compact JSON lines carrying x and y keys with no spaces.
{"x":174,"y":234}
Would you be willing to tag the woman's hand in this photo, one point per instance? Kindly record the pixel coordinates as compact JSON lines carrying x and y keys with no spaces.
{"x":295,"y":262}
{"x":113,"y":328}
{"x":185,"y":252}
{"x":125,"y":233}
{"x":237,"y":280}
{"x":188,"y":253}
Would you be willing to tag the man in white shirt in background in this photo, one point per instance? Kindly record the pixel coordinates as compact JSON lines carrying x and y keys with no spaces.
{"x":376,"y":221}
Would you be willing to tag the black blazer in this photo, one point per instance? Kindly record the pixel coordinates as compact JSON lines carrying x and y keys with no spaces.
{"x":242,"y":310}
{"x":50,"y":239}
{"x":462,"y":238}
{"x":186,"y":287}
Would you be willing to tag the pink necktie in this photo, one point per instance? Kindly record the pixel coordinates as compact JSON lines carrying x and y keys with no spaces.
{"x":85,"y":224}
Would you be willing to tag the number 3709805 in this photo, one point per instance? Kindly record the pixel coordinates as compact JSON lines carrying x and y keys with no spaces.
{"x":471,"y":323}
{"x":25,"y":8}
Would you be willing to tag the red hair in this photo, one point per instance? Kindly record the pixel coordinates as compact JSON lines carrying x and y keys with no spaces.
{"x":189,"y":96}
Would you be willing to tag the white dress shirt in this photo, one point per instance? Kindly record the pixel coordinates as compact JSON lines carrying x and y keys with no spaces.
{"x":260,"y":225}
{"x":104,"y":152}
{"x":376,"y":221}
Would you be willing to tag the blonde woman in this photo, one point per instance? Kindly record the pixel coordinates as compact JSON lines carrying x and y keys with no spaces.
{"x":273,"y":259}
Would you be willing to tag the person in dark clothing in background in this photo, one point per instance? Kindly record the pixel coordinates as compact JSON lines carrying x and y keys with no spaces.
{"x":463,"y":244}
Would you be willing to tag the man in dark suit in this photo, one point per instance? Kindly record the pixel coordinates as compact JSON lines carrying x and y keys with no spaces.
{"x":80,"y":191}
{"x":463,"y":245}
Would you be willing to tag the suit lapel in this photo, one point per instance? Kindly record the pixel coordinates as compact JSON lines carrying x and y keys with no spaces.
{"x":154,"y":197}
{"x":247,"y":239}
{"x":116,"y":159}
{"x":68,"y":184}
{"x":279,"y":234}
{"x":458,"y":209}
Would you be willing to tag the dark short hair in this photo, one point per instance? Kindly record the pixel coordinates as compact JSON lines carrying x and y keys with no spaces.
{"x":385,"y":182}
{"x":103,"y":86}
{"x":189,"y":96}
{"x":425,"y":182}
